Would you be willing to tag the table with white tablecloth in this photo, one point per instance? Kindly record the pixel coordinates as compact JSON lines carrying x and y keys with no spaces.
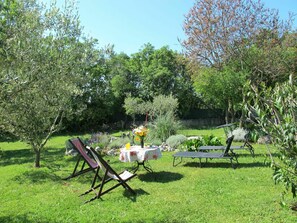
{"x":140,"y":155}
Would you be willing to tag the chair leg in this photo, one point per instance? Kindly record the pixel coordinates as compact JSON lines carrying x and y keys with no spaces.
{"x":127,"y":187}
{"x":95,"y":177}
{"x":74,"y":171}
{"x":175,"y":164}
{"x":94,"y":188}
{"x":232,"y":163}
{"x":231,"y":159}
{"x":251,"y":149}
{"x":147,"y":167}
{"x":101,"y":192}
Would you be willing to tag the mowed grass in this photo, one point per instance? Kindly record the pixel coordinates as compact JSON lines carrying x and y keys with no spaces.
{"x":185,"y":193}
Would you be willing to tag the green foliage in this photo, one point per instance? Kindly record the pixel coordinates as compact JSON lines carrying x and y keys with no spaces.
{"x":97,"y":98}
{"x":100,"y":140}
{"x":175,"y":140}
{"x":254,"y":135}
{"x":118,"y":143}
{"x":123,"y":81}
{"x":163,"y":126}
{"x":162,"y":72}
{"x":275,"y":110}
{"x":154,"y":141}
{"x":133,"y":106}
{"x":205,"y":140}
{"x":42,"y":70}
{"x":221,"y":88}
{"x":161,"y":105}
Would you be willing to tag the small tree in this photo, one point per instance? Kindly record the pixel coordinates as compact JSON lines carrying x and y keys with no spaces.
{"x":133,"y":107}
{"x":43,"y":59}
{"x":162,"y":105}
{"x":159,"y":106}
{"x":162,"y":111}
{"x":164,"y":126}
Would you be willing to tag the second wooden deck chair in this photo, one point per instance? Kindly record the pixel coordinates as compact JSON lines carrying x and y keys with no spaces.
{"x":85,"y":161}
{"x":108,"y":175}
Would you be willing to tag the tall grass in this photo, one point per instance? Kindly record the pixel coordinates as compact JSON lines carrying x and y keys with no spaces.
{"x":185,"y":193}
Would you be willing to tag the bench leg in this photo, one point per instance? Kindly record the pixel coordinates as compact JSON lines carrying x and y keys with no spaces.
{"x":175,"y":164}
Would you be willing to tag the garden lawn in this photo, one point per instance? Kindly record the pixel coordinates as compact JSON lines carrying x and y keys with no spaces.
{"x":185,"y":193}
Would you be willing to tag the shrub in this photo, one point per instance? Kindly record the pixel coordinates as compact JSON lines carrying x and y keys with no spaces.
{"x":163,"y":126}
{"x":118,"y":143}
{"x":155,"y":141}
{"x":100,"y":140}
{"x":254,"y":135}
{"x":175,"y":140}
{"x":194,"y":144}
{"x":211,"y":140}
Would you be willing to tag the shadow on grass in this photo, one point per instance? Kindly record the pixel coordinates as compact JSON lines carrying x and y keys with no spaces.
{"x":160,"y":177}
{"x":225,"y":165}
{"x":20,"y":156}
{"x":25,"y":218}
{"x":256,"y":155}
{"x":126,"y":193}
{"x":132,"y":197}
{"x":36,"y":176}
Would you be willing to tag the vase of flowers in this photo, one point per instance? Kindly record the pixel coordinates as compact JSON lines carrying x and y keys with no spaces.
{"x":141,"y":132}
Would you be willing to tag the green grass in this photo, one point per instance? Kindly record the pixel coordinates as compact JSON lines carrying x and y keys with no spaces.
{"x":185,"y":193}
{"x":194,"y":132}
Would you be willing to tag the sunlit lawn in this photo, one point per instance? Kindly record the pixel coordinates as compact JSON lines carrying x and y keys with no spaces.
{"x":185,"y":193}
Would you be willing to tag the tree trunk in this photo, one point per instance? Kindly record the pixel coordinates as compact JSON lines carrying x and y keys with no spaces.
{"x":226,"y":116}
{"x":230,"y":110}
{"x":37,"y":158}
{"x":242,"y":117}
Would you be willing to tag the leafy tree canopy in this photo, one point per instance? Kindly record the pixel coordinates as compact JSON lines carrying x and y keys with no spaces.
{"x":43,"y":60}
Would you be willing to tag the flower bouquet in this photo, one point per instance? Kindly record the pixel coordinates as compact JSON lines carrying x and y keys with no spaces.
{"x":141,"y":132}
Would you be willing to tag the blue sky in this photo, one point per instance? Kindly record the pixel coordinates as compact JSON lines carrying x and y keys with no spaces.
{"x":129,"y":24}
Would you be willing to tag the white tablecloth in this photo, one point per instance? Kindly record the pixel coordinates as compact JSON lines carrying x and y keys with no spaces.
{"x":136,"y":153}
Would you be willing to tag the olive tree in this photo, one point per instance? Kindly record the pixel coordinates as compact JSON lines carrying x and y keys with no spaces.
{"x":275,"y":112}
{"x":162,"y":112}
{"x":44,"y":56}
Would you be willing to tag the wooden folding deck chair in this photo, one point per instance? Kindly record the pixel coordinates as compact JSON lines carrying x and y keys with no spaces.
{"x":108,"y":175}
{"x":226,"y":154}
{"x":85,"y":160}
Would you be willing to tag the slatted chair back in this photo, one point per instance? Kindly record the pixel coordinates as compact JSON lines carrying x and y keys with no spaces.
{"x":228,"y":146}
{"x":79,"y":146}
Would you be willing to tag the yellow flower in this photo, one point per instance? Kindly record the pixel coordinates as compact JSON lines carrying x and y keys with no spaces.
{"x":140,"y":131}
